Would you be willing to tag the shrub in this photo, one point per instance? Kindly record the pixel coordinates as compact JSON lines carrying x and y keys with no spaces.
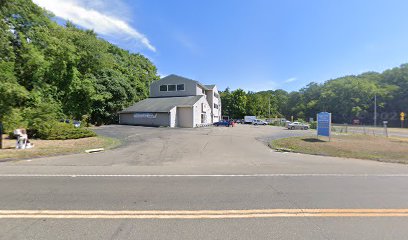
{"x":12,"y":121}
{"x":60,"y":131}
{"x":313,"y":125}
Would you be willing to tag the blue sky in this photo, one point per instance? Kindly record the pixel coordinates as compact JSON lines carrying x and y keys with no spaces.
{"x":255,"y":45}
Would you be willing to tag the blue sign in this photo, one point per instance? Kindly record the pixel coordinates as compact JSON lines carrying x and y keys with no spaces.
{"x":324,"y":124}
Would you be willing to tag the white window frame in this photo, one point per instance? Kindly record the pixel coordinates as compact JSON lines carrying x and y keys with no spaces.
{"x":167,"y":88}
{"x":184,"y":87}
{"x":175,"y":88}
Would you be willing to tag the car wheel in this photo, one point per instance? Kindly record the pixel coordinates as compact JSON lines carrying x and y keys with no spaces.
{"x":292,"y":128}
{"x":255,"y":124}
{"x":264,"y":124}
{"x":305,"y":128}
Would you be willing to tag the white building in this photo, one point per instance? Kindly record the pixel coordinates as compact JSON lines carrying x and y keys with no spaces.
{"x":175,"y":102}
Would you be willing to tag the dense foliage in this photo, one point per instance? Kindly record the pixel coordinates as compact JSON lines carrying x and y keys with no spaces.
{"x":347,"y":98}
{"x":48,"y":71}
{"x":61,"y":131}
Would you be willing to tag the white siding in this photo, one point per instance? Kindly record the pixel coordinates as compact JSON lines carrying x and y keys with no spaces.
{"x":202,"y":107}
{"x":173,"y":117}
{"x":199,"y":90}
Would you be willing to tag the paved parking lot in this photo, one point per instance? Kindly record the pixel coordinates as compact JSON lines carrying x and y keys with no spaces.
{"x":241,"y":149}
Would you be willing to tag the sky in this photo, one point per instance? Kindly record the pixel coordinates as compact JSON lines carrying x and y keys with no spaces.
{"x":254,"y":45}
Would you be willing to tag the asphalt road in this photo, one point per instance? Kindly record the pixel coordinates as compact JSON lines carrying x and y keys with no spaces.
{"x":214,"y":183}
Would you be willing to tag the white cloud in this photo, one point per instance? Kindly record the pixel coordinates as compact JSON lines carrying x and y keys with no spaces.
{"x":97,"y":20}
{"x":290,"y":80}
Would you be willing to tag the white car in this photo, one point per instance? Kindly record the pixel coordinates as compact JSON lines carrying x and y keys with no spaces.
{"x":259,"y":122}
{"x":298,"y":125}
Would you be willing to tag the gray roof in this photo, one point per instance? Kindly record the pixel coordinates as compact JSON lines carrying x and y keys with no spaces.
{"x":210,"y":86}
{"x":162,"y":104}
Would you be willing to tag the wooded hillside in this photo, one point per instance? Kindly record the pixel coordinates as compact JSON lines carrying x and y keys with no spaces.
{"x":48,"y":71}
{"x":347,"y":98}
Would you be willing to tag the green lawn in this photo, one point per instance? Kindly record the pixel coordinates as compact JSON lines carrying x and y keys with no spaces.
{"x":349,"y":146}
{"x":43,"y":148}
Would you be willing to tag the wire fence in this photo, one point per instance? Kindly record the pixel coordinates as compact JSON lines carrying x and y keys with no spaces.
{"x":369,"y":130}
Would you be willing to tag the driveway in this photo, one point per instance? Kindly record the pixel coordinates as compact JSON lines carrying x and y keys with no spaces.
{"x":241,"y":149}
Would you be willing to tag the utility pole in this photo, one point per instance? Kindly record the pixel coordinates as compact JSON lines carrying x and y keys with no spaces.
{"x":375,"y":110}
{"x":269,"y":108}
{"x":1,"y":135}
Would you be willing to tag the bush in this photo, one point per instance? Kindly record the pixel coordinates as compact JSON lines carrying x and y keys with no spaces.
{"x":13,"y":120}
{"x":313,"y":125}
{"x":59,"y":131}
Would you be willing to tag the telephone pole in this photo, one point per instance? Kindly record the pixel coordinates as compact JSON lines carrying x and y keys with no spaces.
{"x":1,"y":135}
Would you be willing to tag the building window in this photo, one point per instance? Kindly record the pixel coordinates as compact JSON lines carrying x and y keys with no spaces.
{"x":171,"y":87}
{"x":163,"y":88}
{"x":216,"y":95}
{"x":215,"y":106}
{"x":180,"y":87}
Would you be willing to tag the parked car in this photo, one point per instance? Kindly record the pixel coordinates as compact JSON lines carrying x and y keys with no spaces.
{"x":298,"y":125}
{"x":259,"y":122}
{"x":77,"y":124}
{"x":249,"y":119}
{"x":222,"y":123}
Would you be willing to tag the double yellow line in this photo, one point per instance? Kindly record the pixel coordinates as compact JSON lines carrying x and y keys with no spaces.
{"x":200,"y":214}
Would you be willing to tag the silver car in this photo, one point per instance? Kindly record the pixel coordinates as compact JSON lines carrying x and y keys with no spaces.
{"x":259,"y":122}
{"x":298,"y":125}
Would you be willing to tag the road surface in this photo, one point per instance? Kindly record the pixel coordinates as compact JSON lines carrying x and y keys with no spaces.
{"x":212,"y":183}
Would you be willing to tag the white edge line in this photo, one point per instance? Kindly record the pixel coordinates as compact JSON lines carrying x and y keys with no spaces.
{"x":202,"y":175}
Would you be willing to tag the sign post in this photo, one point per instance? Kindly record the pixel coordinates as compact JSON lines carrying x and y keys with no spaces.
{"x":402,"y":118}
{"x":385,"y":128}
{"x":324,"y":125}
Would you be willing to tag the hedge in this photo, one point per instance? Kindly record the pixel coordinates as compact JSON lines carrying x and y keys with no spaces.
{"x":60,"y":131}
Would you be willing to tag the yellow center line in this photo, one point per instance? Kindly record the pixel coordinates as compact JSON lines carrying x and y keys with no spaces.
{"x":200,"y":214}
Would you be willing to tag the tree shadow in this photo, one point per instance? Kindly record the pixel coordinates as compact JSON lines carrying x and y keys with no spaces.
{"x":312,"y":140}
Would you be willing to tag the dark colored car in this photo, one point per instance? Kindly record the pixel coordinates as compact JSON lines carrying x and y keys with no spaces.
{"x":222,"y":123}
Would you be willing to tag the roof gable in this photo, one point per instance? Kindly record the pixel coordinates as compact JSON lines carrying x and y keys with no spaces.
{"x":175,"y":78}
{"x":164,"y":104}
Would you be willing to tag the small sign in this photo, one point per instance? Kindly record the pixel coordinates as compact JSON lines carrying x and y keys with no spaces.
{"x":145,"y":115}
{"x":324,"y":124}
